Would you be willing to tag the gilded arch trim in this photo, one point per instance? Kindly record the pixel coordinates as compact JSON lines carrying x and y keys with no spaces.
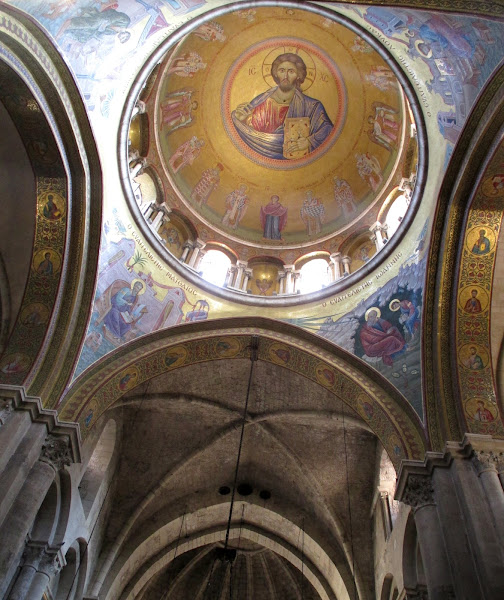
{"x":391,"y":418}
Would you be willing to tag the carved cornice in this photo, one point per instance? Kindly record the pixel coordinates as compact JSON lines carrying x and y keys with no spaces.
{"x":485,"y":451}
{"x":17,"y":399}
{"x":419,"y":470}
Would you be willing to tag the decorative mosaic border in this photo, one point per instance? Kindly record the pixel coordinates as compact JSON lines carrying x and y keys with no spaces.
{"x":41,"y":292}
{"x":475,"y":283}
{"x":58,"y":96}
{"x":442,"y":403}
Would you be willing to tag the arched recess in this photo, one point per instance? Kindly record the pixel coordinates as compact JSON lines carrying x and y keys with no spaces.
{"x":349,"y":379}
{"x":51,"y":523}
{"x":45,"y":102}
{"x":46,"y":521}
{"x":134,"y":568}
{"x":446,"y":405}
{"x":386,"y":587}
{"x":70,"y":582}
{"x":413,"y":571}
{"x":98,"y":470}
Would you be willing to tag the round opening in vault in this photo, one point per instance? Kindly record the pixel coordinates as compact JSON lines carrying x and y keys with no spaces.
{"x":265,"y":144}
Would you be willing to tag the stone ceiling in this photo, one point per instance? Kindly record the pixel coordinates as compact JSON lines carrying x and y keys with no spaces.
{"x":318,"y":447}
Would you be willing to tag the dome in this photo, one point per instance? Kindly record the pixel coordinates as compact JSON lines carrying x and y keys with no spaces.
{"x":275,"y":136}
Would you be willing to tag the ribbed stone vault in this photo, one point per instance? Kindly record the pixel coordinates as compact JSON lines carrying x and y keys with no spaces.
{"x":256,"y":573}
{"x":180,"y":437}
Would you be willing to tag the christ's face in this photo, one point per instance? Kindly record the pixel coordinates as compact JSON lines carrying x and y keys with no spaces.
{"x":287,"y":75}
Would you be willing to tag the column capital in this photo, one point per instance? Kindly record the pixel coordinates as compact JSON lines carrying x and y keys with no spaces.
{"x":241,"y":264}
{"x":346,"y":260}
{"x":140,"y":104}
{"x":165,"y":208}
{"x":336,"y":257}
{"x":488,"y":461}
{"x":43,"y":558}
{"x":475,"y":443}
{"x":133,"y":154}
{"x":418,"y":491}
{"x":56,"y":452}
{"x":199,"y":243}
{"x":51,"y":562}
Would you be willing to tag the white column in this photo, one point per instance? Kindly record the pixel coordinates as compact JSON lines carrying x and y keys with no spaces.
{"x":137,"y":167}
{"x":289,"y":281}
{"x":295,"y":278}
{"x":149,"y":209}
{"x":406,"y":186}
{"x":186,"y":248}
{"x":198,"y":245}
{"x":346,"y":260}
{"x":199,"y":259}
{"x":377,"y":230}
{"x":247,"y":274}
{"x":241,"y":265}
{"x":162,"y":217}
{"x":230,"y":276}
{"x":336,"y":265}
{"x":282,"y":280}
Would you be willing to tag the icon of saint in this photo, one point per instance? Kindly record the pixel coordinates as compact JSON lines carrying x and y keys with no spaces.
{"x":236,"y":206}
{"x":482,"y":244}
{"x":50,"y":210}
{"x":473,"y":305}
{"x":46,"y":266}
{"x":262,"y":122}
{"x":482,"y":413}
{"x":273,"y":219}
{"x":474,"y":360}
{"x":312,"y":214}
